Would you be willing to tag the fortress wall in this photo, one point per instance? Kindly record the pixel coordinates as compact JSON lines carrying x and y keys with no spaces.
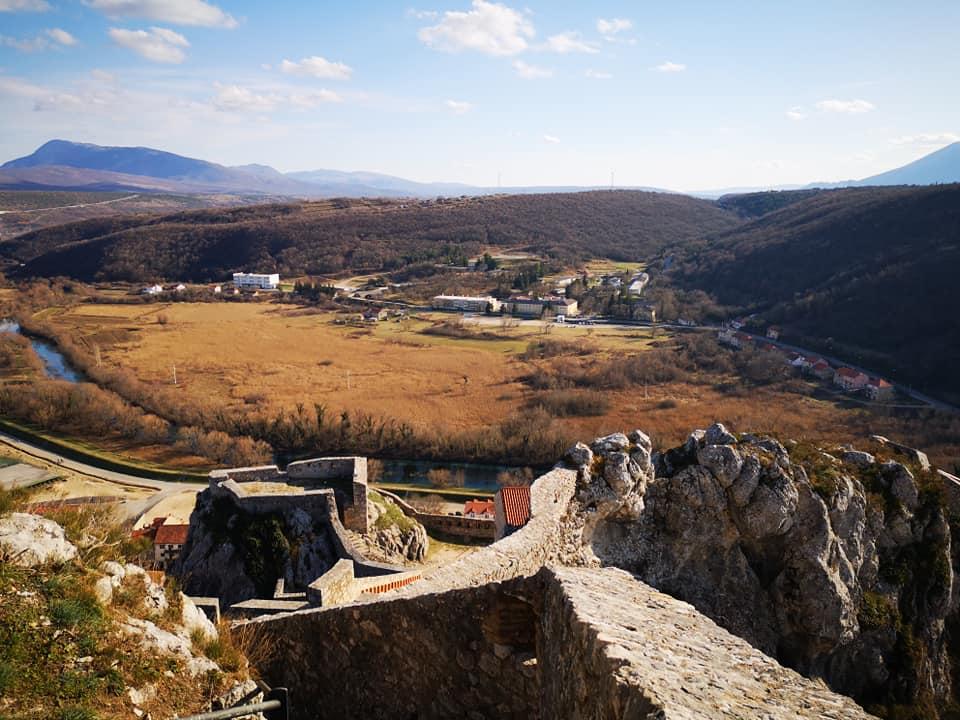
{"x":261,"y":473}
{"x":565,"y":643}
{"x":519,"y":554}
{"x":423,"y":657}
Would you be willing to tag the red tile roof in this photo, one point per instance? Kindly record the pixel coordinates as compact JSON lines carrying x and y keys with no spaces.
{"x":478,"y":507}
{"x":171,"y":535}
{"x":516,"y":505}
{"x":848,"y":373}
{"x":879,"y":383}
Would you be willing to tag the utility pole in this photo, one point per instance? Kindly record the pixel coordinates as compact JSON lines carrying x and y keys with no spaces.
{"x":611,"y":179}
{"x":174,"y":374}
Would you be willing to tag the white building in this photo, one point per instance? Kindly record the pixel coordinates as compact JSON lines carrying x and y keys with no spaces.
{"x":465,"y":303}
{"x":256,"y":281}
{"x":152,"y":290}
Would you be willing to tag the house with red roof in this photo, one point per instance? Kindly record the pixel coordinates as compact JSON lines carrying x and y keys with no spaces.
{"x":879,"y":389}
{"x":167,"y":544}
{"x":479,"y":509}
{"x":849,"y":379}
{"x":821,"y":369}
{"x":511,"y":509}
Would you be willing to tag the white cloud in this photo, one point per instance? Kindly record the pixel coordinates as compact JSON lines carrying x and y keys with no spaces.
{"x":569,"y":42}
{"x":102,"y":76}
{"x":926,"y":139}
{"x":671,"y":67}
{"x":850,"y":107}
{"x":552,"y":139}
{"x":796,"y":113}
{"x":313,"y":98}
{"x":422,"y":14}
{"x":235,"y":98}
{"x":613,"y":26}
{"x":531,"y":72}
{"x":156,"y":44}
{"x":24,"y":44}
{"x":24,"y":6}
{"x":61,"y":36}
{"x":490,"y":28}
{"x":176,"y":12}
{"x":597,"y":74}
{"x":318,"y":67}
{"x":458,"y":107}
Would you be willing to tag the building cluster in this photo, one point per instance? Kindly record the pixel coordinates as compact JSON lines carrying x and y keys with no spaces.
{"x":160,"y":289}
{"x":523,"y":305}
{"x":847,"y":379}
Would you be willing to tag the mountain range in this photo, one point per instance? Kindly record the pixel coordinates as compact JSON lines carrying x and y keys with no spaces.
{"x":65,"y":165}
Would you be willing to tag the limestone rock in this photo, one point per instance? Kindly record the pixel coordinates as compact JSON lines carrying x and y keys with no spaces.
{"x":193,"y":619}
{"x":30,"y":540}
{"x":902,"y":485}
{"x":723,"y":461}
{"x":580,"y":456}
{"x":640,"y":439}
{"x":617,"y":442}
{"x":717,"y":434}
{"x":858,"y":458}
{"x":156,"y":640}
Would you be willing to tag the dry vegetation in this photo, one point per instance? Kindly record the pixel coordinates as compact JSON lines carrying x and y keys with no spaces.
{"x":302,"y":382}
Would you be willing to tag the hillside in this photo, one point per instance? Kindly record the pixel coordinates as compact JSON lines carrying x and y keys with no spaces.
{"x":868,"y":273}
{"x":328,"y":237}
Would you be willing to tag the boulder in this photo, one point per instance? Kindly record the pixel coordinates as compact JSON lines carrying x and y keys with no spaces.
{"x":858,"y":457}
{"x":617,"y":442}
{"x":717,"y":434}
{"x":723,"y":461}
{"x":193,"y":619}
{"x":640,"y":439}
{"x":579,"y":456}
{"x":30,"y":540}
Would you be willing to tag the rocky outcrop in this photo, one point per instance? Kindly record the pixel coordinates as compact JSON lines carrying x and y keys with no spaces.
{"x":30,"y":540}
{"x":393,"y":537}
{"x":235,"y":555}
{"x":838,"y":563}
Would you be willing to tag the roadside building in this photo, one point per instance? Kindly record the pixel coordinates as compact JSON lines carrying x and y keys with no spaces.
{"x":256,"y":281}
{"x":638,"y":284}
{"x":535,"y":307}
{"x":152,"y":290}
{"x":479,"y":509}
{"x":644,"y":311}
{"x":849,"y":379}
{"x":466,"y":303}
{"x":879,"y":389}
{"x":773,"y":332}
{"x":821,"y":369}
{"x":180,"y":288}
{"x":375,"y":315}
{"x":167,"y":544}
{"x":728,"y":337}
{"x":511,"y":509}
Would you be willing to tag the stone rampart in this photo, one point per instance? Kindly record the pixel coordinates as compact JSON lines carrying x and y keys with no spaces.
{"x":565,"y":643}
{"x":457,"y":525}
{"x":335,"y":587}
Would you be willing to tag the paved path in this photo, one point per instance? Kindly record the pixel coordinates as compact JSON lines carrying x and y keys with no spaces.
{"x":133,"y":508}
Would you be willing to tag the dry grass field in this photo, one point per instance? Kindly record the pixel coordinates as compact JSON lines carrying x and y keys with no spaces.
{"x":272,"y":356}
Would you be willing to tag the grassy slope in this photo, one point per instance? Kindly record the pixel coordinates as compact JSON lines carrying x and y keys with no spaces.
{"x":868,"y":272}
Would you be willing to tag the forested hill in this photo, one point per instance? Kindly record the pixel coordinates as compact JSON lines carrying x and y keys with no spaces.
{"x":364,"y":235}
{"x":868,"y":272}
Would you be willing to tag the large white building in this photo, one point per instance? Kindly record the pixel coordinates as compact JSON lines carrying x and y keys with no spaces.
{"x":466,"y":303}
{"x":256,"y":281}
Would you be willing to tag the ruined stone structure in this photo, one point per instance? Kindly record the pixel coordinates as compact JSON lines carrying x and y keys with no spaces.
{"x":256,"y":529}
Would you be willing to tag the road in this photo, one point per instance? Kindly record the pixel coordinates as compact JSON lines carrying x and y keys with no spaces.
{"x":134,"y":508}
{"x":66,"y":207}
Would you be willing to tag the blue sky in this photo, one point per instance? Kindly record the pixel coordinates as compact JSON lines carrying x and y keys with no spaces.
{"x":682,"y":95}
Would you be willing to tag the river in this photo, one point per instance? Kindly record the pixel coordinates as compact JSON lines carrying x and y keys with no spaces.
{"x":55,"y":365}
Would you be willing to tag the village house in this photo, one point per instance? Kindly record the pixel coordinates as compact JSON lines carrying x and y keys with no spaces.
{"x":638,"y":283}
{"x":644,"y":311}
{"x":511,"y":509}
{"x":879,"y":389}
{"x":479,"y":509}
{"x":256,"y":281}
{"x":728,"y":337}
{"x":849,"y":379}
{"x":821,"y":369}
{"x":535,"y":307}
{"x":152,"y":290}
{"x":773,"y":332}
{"x":375,"y":315}
{"x":180,"y":288}
{"x":167,"y":544}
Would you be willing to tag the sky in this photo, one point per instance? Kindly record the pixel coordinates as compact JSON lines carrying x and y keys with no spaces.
{"x":681,"y":95}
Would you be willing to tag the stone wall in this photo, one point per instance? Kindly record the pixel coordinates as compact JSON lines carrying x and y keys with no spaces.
{"x":423,"y":657}
{"x":477,"y":528}
{"x":540,"y":541}
{"x":565,"y":643}
{"x":335,"y":587}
